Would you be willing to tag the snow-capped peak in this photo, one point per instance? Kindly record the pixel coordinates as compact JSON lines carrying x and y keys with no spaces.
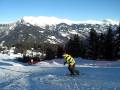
{"x":45,"y":20}
{"x":110,"y":21}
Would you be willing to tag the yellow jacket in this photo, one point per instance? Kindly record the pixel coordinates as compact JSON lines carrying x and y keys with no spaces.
{"x":69,"y":59}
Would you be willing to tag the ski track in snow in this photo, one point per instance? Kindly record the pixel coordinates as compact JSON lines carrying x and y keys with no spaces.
{"x":56,"y":79}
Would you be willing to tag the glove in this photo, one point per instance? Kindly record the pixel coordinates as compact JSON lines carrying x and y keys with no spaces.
{"x":65,"y":63}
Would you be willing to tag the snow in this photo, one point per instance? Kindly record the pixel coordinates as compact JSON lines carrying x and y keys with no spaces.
{"x":1,"y":44}
{"x":41,"y":31}
{"x":64,"y":34}
{"x":9,"y":63}
{"x":52,"y":75}
{"x":45,"y":20}
{"x":51,"y":63}
{"x":6,"y":57}
{"x":110,"y":21}
{"x":32,"y":36}
{"x":56,"y":79}
{"x":9,"y":59}
{"x":51,"y":41}
{"x":73,"y":32}
{"x":13,"y":25}
{"x":28,"y":25}
{"x":52,"y":37}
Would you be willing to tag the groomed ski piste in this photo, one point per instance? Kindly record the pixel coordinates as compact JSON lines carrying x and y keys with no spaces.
{"x":53,"y":75}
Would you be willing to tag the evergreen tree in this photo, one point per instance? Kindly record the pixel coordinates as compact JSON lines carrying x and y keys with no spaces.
{"x":101,"y":46}
{"x":73,"y":46}
{"x":82,"y":49}
{"x":93,"y":44}
{"x":60,"y":51}
{"x":50,"y":54}
{"x":68,"y":47}
{"x":76,"y":46}
{"x":109,"y":44}
{"x":117,"y":43}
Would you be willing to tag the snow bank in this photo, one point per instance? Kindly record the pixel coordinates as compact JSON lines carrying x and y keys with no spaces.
{"x":9,"y":63}
{"x":6,"y":57}
{"x":11,"y":56}
{"x":8,"y":60}
{"x":51,"y":63}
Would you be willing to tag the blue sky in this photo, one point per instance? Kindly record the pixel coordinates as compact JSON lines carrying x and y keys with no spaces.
{"x":12,"y":10}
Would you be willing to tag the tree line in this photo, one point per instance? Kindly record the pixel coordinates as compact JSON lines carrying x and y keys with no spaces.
{"x":98,"y":46}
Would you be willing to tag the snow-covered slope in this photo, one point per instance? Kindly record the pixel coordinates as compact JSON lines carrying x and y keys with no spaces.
{"x":9,"y":60}
{"x":56,"y":78}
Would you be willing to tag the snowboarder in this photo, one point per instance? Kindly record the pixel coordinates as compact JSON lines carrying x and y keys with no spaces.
{"x":71,"y":64}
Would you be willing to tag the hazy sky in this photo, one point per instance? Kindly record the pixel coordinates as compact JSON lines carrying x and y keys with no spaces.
{"x":11,"y":10}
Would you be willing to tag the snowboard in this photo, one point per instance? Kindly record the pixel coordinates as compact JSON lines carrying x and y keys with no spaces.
{"x":77,"y":73}
{"x":72,"y":75}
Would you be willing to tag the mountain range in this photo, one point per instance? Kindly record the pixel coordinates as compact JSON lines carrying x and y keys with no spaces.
{"x":49,"y":29}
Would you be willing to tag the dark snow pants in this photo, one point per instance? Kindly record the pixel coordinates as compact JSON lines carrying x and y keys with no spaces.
{"x":72,"y":70}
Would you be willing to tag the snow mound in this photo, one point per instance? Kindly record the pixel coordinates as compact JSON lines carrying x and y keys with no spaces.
{"x":52,"y":63}
{"x":8,"y":60}
{"x":9,"y":63}
{"x":10,"y":57}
